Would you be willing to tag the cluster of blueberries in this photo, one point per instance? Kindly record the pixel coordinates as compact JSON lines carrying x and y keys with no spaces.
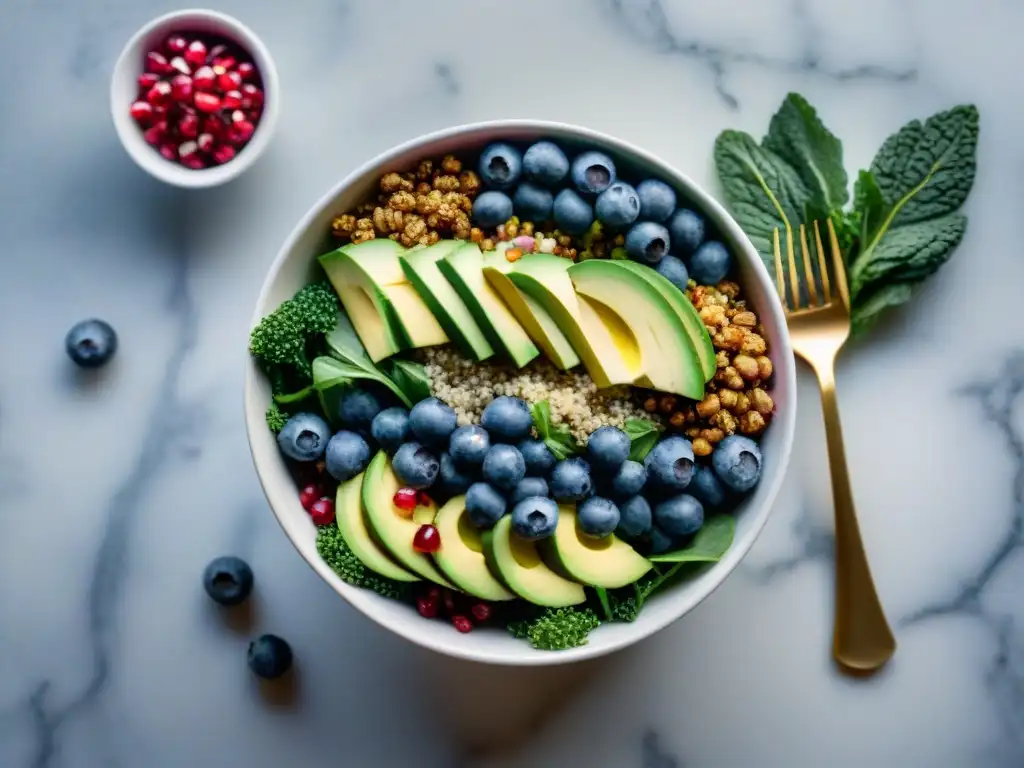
{"x":654,"y":227}
{"x":502,"y":469}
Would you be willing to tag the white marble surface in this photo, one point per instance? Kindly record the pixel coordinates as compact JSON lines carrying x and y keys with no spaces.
{"x":115,"y":490}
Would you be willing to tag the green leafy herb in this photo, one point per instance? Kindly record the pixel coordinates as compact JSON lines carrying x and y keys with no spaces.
{"x":643,"y":434}
{"x":606,"y":607}
{"x":556,"y":437}
{"x":410,"y":377}
{"x":294,"y":397}
{"x":708,"y":546}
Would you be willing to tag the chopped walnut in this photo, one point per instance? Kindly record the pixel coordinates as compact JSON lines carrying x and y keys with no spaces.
{"x":487,"y":244}
{"x":402,"y":201}
{"x":728,"y":399}
{"x":709,"y":406}
{"x":414,"y":228}
{"x":742,"y":404}
{"x":701,"y":447}
{"x":667,"y":404}
{"x":713,"y":316}
{"x":469,"y":183}
{"x":393,"y":182}
{"x":364,"y":231}
{"x":712,"y":435}
{"x":447,"y":183}
{"x":753,"y":344}
{"x":677,"y":420}
{"x":692,"y":432}
{"x":761,"y":401}
{"x":476,"y":234}
{"x":729,"y":288}
{"x":429,"y":203}
{"x":729,"y":377}
{"x":747,"y":367}
{"x":730,"y":338}
{"x":724,"y":421}
{"x":344,"y":225}
{"x":764,"y":367}
{"x":451,"y":164}
{"x":745,"y":318}
{"x":425,"y":170}
{"x":461,"y":228}
{"x":752,"y":423}
{"x":721,"y":358}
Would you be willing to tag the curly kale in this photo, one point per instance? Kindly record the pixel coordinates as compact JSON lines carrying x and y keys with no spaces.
{"x":282,"y":342}
{"x":556,"y":629}
{"x":276,"y":418}
{"x":343,"y":561}
{"x":625,"y":604}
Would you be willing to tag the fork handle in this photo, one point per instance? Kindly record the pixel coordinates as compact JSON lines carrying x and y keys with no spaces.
{"x":862,"y":640}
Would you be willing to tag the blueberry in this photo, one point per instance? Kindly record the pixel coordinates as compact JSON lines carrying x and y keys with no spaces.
{"x":532,"y":203}
{"x":672,"y":268}
{"x":670,"y":463}
{"x":228,"y":580}
{"x":451,"y":480}
{"x":647,"y":242}
{"x":357,"y":410}
{"x":432,"y":422}
{"x":598,"y":517}
{"x":535,"y":517}
{"x":507,"y":418}
{"x":415,"y":466}
{"x":545,"y":163}
{"x":468,"y":445}
{"x":629,"y":480}
{"x":504,"y":467}
{"x":269,"y":656}
{"x":657,"y":200}
{"x":91,"y":343}
{"x":527,"y":487}
{"x":484,"y":505}
{"x":491,"y":209}
{"x":570,"y":480}
{"x":304,"y":437}
{"x":687,"y":230}
{"x":706,"y":487}
{"x":660,"y":541}
{"x":539,"y":458}
{"x":618,"y":206}
{"x":607,"y":448}
{"x":347,"y":455}
{"x":572,"y":213}
{"x":500,"y":166}
{"x":710,"y":263}
{"x":634,"y":517}
{"x":680,"y":515}
{"x":390,"y":428}
{"x":593,"y":172}
{"x":737,"y":462}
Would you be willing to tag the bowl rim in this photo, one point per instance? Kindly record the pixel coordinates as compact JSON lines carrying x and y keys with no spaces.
{"x":782,"y":352}
{"x":131,"y":138}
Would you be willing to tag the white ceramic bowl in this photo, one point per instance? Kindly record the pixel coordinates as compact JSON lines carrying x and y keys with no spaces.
{"x":294,"y":267}
{"x":124,"y":89}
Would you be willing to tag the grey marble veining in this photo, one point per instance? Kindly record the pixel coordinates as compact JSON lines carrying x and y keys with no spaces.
{"x":117,"y":488}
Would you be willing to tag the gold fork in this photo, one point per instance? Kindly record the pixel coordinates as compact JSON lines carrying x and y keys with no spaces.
{"x":861,"y":640}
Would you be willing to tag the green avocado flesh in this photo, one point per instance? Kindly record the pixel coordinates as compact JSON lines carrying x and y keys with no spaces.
{"x":461,"y":556}
{"x":519,"y":566}
{"x":352,"y":524}
{"x":393,"y":530}
{"x":609,"y":562}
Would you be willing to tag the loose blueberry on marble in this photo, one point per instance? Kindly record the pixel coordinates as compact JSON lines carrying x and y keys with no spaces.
{"x":661,"y":542}
{"x":607,"y":448}
{"x":504,"y":467}
{"x":491,"y":208}
{"x":228,"y":580}
{"x":357,"y":409}
{"x":390,"y":428}
{"x":539,"y":458}
{"x":570,"y":480}
{"x":269,"y":656}
{"x":618,"y":206}
{"x":598,"y":517}
{"x":710,"y":263}
{"x":451,"y":480}
{"x":347,"y":455}
{"x":485,"y":505}
{"x":507,"y":419}
{"x":415,"y":466}
{"x":432,"y":422}
{"x":527,"y":487}
{"x":634,"y":517}
{"x":647,"y":242}
{"x":593,"y":172}
{"x":628,"y":480}
{"x":532,"y":203}
{"x":670,"y":463}
{"x":304,"y":437}
{"x":687,"y":230}
{"x":545,"y":163}
{"x":535,"y":517}
{"x":91,"y":343}
{"x":468,"y":445}
{"x":572,"y":213}
{"x":657,"y":200}
{"x":500,"y":166}
{"x":672,"y":269}
{"x":706,"y":487}
{"x":679,"y":516}
{"x":737,"y":462}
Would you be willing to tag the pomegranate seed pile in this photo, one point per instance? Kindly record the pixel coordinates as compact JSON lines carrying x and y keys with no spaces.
{"x":199,"y":100}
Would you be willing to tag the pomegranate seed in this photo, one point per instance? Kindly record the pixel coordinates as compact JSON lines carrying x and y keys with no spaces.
{"x":178,"y":64}
{"x":423,"y":499}
{"x":252,"y":97}
{"x":213,"y":126}
{"x":160,"y":112}
{"x":216,"y":52}
{"x":462,"y":623}
{"x":205,"y":142}
{"x":169,"y":150}
{"x":433,"y":594}
{"x":194,"y":162}
{"x":427,"y":539}
{"x":225,"y":153}
{"x":195,"y":54}
{"x":448,"y":598}
{"x":237,"y":116}
{"x":426,"y":608}
{"x":203,"y":79}
{"x":142,"y":112}
{"x":247,"y":70}
{"x":322,"y":511}
{"x":308,"y":494}
{"x":405,"y":500}
{"x":231,"y":100}
{"x":176,"y":44}
{"x":228,"y":81}
{"x":181,"y":88}
{"x":239,"y":133}
{"x":147,"y":80}
{"x":157,"y":63}
{"x":206,"y":102}
{"x":155,"y":133}
{"x":481,"y":611}
{"x":227,"y":63}
{"x":159,"y":93}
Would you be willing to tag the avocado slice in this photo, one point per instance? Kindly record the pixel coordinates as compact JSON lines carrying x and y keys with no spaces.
{"x":420,"y":267}
{"x":463,"y":268}
{"x":539,"y":324}
{"x":349,"y":518}
{"x":668,"y":360}
{"x":609,"y":562}
{"x":518,"y":564}
{"x":393,"y":530}
{"x":699,"y":336}
{"x":461,"y":556}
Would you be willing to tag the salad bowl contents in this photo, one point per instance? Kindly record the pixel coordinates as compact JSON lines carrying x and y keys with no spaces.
{"x":520,"y":377}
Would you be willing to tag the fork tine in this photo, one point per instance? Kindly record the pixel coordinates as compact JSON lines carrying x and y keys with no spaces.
{"x":812,"y":290}
{"x":840,"y":267}
{"x":794,"y":278}
{"x":822,"y":265}
{"x":780,"y":281}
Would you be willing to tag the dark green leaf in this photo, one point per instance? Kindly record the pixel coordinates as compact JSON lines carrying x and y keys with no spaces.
{"x":602,"y":598}
{"x":907,"y":253}
{"x":294,"y":397}
{"x":869,"y":204}
{"x":330,"y":372}
{"x":643,"y":435}
{"x":866,"y":314}
{"x":556,"y":437}
{"x":410,"y":377}
{"x":711,"y":542}
{"x":343,"y":343}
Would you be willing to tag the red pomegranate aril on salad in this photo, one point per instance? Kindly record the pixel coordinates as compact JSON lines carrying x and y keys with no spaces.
{"x":157,"y":63}
{"x":176,"y":44}
{"x":195,"y":53}
{"x":225,"y":153}
{"x":423,"y":499}
{"x":405,"y":500}
{"x":159,"y":93}
{"x":481,"y":611}
{"x":181,"y":88}
{"x":178,"y":64}
{"x":241,"y":132}
{"x":206,"y":102}
{"x":206,"y":142}
{"x":448,"y":599}
{"x":228,"y":81}
{"x":427,"y":539}
{"x":322,"y":511}
{"x":216,"y":52}
{"x":146,"y":81}
{"x":142,"y":112}
{"x":188,"y":126}
{"x":227,"y":62}
{"x":252,"y":97}
{"x":309,"y":493}
{"x":155,"y":133}
{"x":246,"y":69}
{"x":169,"y":150}
{"x":427,"y":608}
{"x":213,"y":125}
{"x":462,"y":623}
{"x":204,"y":79}
{"x":231,"y":100}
